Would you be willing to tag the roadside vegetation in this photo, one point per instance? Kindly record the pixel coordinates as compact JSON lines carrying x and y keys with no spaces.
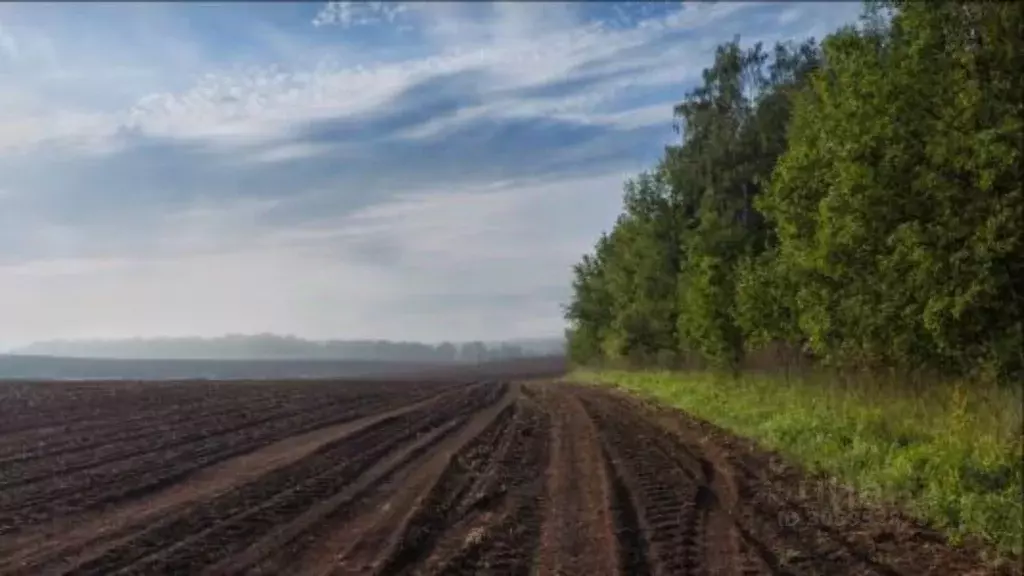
{"x":949,"y":456}
{"x":840,"y":232}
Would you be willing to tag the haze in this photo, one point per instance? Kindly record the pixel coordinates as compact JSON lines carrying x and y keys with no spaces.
{"x":417,"y":171}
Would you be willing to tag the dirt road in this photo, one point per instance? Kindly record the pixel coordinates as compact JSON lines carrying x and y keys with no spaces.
{"x":437,"y":478}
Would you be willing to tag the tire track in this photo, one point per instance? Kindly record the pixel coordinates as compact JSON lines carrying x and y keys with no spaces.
{"x":142,"y":471}
{"x":505,"y":513}
{"x":665,"y":495}
{"x":579,"y":531}
{"x":677,"y":494}
{"x":484,"y":514}
{"x":355,"y":547}
{"x":39,"y":549}
{"x":227,"y":525}
{"x":424,"y":527}
{"x":189,"y":527}
{"x":751,"y":515}
{"x":447,"y":478}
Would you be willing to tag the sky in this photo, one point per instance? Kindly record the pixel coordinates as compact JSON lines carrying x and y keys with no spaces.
{"x":412,"y":171}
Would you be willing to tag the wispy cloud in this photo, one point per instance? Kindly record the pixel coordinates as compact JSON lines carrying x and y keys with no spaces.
{"x":351,"y":169}
{"x":8,"y":47}
{"x":347,"y":14}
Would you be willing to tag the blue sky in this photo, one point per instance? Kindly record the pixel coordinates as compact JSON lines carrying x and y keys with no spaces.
{"x":408,"y":171}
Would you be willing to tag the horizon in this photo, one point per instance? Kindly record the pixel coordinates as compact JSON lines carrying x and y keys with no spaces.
{"x":400,"y":171}
{"x":46,"y":347}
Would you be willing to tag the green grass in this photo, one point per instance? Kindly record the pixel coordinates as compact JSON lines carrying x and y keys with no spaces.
{"x":951,"y":455}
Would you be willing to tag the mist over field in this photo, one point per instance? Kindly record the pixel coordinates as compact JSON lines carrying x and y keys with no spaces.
{"x":579,"y":288}
{"x":274,"y":347}
{"x":262,"y":356}
{"x":350,"y":171}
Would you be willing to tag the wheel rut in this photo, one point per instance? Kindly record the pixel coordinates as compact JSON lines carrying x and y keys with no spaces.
{"x":353,"y":543}
{"x":581,"y":520}
{"x":66,"y":542}
{"x":451,"y":478}
{"x":210,"y":531}
{"x":483,"y":513}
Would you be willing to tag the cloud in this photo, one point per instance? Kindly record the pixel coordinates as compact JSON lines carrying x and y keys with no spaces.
{"x":462,"y":256}
{"x":385,"y":171}
{"x":348,"y":14}
{"x":8,"y":46}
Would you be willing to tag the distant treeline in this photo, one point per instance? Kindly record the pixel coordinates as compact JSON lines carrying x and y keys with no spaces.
{"x":275,"y":347}
{"x":15,"y":367}
{"x":857,"y":201}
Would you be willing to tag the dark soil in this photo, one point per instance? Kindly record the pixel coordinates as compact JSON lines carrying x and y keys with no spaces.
{"x":438,"y":477}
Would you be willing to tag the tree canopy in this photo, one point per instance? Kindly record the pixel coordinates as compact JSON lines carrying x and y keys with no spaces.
{"x":859,"y":199}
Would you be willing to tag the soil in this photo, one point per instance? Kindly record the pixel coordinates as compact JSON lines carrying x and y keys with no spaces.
{"x":437,"y":477}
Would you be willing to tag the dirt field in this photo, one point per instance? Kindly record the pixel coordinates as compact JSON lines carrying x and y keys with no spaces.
{"x":442,"y":477}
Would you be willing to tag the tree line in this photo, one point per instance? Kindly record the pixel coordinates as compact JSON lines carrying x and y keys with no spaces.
{"x":856,"y":200}
{"x":278,"y":347}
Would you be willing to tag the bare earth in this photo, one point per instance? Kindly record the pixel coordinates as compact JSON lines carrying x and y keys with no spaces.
{"x":440,"y":477}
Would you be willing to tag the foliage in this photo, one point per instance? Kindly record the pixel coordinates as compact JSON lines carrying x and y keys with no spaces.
{"x":950,"y":454}
{"x":860,"y":199}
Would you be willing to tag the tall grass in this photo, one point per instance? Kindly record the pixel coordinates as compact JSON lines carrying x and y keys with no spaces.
{"x":949,"y":453}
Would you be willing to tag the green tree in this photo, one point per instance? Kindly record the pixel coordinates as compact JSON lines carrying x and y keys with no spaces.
{"x":898,"y":202}
{"x":589,"y":312}
{"x":862,"y":200}
{"x":734,"y":128}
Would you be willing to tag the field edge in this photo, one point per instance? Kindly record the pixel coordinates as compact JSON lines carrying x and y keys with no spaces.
{"x":966,"y":482}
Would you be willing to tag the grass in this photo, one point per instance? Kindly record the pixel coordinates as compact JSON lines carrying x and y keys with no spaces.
{"x":950,"y":454}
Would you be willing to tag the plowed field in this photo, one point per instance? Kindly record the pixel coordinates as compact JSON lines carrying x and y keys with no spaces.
{"x":488,"y":477}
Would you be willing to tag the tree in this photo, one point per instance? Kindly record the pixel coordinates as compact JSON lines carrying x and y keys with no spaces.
{"x":447,"y":352}
{"x":898,"y":204}
{"x":862,"y":200}
{"x":734,"y":128}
